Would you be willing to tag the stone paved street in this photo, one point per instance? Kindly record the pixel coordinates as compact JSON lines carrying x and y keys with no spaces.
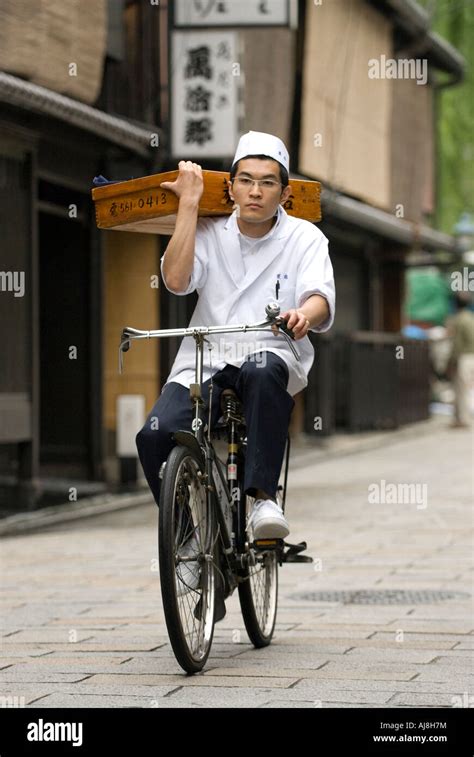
{"x":83,"y":624}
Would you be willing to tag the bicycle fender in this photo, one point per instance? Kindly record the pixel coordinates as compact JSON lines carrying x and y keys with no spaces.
{"x":187,"y":439}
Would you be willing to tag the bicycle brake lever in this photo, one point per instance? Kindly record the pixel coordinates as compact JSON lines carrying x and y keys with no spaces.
{"x":285,"y":332}
{"x":123,"y":347}
{"x":290,"y":341}
{"x":125,"y":344}
{"x":288,"y":334}
{"x":281,"y":323}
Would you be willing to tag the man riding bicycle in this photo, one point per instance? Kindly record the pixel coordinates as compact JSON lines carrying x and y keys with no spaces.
{"x":237,"y":264}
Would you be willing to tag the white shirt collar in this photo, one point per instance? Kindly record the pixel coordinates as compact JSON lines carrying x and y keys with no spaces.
{"x":275,"y":230}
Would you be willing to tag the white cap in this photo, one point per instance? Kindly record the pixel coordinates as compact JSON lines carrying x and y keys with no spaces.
{"x":260,"y":143}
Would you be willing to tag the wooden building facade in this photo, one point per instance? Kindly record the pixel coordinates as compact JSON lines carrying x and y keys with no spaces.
{"x":92,"y":96}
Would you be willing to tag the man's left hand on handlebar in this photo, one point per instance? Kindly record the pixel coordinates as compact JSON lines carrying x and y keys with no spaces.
{"x":297,"y":321}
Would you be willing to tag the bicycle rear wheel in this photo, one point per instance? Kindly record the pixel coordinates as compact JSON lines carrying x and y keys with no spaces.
{"x":187,"y":559}
{"x":258,"y":592}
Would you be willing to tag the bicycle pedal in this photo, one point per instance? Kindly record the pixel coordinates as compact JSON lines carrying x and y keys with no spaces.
{"x":267,"y":543}
{"x":292,"y":553}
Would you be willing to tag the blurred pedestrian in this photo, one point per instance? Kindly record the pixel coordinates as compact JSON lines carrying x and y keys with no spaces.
{"x":461,"y":364}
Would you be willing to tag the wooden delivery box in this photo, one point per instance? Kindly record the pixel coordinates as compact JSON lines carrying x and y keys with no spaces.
{"x":142,"y":205}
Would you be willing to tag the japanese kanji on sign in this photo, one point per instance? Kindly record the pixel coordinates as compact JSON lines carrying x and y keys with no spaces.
{"x":205,"y":74}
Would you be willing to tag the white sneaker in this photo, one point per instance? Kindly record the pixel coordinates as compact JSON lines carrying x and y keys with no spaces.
{"x":267,"y":520}
{"x":188,"y":573}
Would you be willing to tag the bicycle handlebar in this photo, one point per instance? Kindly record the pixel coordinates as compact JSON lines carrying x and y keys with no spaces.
{"x":130,"y":333}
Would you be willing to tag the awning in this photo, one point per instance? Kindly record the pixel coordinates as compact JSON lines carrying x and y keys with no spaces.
{"x":415,"y":22}
{"x":364,"y":216}
{"x":121,"y":131}
{"x":385,"y":224}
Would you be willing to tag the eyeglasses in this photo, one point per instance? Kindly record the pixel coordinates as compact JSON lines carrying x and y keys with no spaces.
{"x":245,"y":183}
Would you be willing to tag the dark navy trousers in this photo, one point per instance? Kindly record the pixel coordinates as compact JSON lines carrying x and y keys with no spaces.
{"x":261,"y":384}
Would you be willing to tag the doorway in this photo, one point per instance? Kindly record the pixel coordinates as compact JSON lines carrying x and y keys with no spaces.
{"x":65,"y":362}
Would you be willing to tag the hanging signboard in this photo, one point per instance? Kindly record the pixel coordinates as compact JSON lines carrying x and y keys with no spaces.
{"x":231,"y":12}
{"x":205,"y":76}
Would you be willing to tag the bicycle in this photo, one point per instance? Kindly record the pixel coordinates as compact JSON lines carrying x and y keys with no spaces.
{"x":203,"y":538}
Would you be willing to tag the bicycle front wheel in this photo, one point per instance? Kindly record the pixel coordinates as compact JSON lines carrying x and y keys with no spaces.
{"x":258,"y":593}
{"x":187,"y":559}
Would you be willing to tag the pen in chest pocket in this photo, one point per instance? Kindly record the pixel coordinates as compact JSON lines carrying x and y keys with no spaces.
{"x":277,"y":288}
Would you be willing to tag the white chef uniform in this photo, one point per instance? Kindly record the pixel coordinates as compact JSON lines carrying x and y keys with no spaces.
{"x":293,"y":253}
{"x":250,"y":246}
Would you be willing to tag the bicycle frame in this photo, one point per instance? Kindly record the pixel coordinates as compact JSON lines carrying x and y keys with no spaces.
{"x":196,"y":439}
